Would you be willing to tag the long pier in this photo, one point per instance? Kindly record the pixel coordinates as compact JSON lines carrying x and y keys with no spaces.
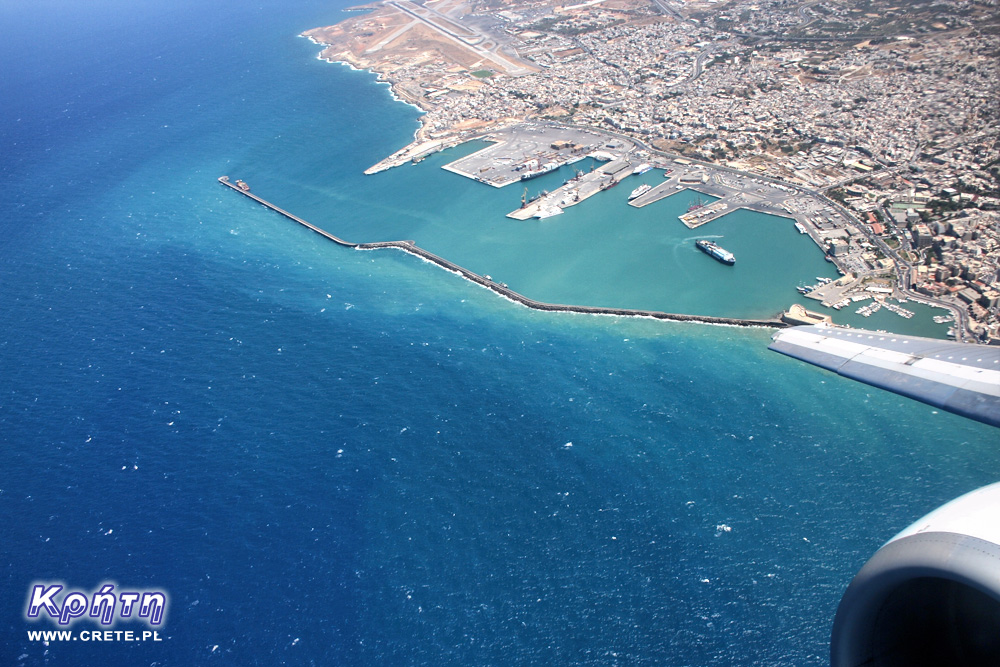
{"x":568,"y":194}
{"x":500,"y":288}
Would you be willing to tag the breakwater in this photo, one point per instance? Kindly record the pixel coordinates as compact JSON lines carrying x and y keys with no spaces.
{"x":500,"y":288}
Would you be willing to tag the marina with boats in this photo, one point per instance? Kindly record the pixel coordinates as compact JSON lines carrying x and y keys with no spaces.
{"x":846,"y":291}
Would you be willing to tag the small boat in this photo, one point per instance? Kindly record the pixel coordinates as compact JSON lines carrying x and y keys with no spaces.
{"x":538,"y":196}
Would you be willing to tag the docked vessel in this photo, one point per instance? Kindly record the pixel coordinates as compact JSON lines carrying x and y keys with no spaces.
{"x":548,"y":212}
{"x":640,"y":191}
{"x":715,"y":252}
{"x":544,"y":169}
{"x":696,"y":204}
{"x":642,"y":168}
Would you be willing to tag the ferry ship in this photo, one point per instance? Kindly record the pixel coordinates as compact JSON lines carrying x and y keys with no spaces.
{"x":642,"y":169}
{"x":715,"y":252}
{"x":640,"y":191}
{"x":544,"y":169}
{"x":548,"y":212}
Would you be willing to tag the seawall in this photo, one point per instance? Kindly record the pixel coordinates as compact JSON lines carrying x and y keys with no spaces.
{"x":412,"y":248}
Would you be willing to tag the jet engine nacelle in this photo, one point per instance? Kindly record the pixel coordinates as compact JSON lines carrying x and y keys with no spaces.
{"x":931,"y":595}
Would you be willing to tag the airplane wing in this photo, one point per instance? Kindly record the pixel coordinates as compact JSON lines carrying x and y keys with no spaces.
{"x":957,"y":377}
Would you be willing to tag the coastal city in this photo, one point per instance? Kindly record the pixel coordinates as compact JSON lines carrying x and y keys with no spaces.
{"x":874,"y":127}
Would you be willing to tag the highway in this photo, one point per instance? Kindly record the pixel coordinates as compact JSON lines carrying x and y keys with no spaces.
{"x":665,"y":7}
{"x":699,"y":62}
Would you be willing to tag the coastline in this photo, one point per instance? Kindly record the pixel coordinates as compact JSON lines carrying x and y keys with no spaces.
{"x":340,"y":44}
{"x":568,"y":65}
{"x":201,"y":398}
{"x":423,"y":144}
{"x":380,"y":78}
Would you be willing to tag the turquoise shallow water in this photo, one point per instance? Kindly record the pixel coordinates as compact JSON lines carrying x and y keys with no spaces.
{"x":330,"y":456}
{"x":601,"y":252}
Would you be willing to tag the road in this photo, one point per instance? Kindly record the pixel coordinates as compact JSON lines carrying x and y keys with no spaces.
{"x":668,"y":10}
{"x":806,"y":20}
{"x":699,"y":62}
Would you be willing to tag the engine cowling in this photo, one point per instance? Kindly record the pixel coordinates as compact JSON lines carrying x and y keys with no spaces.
{"x":929,"y":596}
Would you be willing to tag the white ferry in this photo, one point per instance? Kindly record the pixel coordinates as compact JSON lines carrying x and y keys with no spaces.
{"x":640,"y":191}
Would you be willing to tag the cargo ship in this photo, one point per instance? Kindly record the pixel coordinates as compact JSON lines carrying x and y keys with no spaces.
{"x":716,"y":252}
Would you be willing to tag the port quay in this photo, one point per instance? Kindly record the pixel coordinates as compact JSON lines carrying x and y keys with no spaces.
{"x":519,"y":152}
{"x":500,"y":288}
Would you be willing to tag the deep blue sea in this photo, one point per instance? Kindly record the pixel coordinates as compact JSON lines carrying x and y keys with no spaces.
{"x":338,"y":457}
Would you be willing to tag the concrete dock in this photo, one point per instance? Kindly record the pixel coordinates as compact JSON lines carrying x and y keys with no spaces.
{"x":667,"y":188}
{"x":500,"y":288}
{"x":697,"y":217}
{"x":514,"y":153}
{"x":731,"y":193}
{"x":582,"y":187}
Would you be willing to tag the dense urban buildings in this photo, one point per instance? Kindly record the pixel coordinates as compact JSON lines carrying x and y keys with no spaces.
{"x":886,"y":111}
